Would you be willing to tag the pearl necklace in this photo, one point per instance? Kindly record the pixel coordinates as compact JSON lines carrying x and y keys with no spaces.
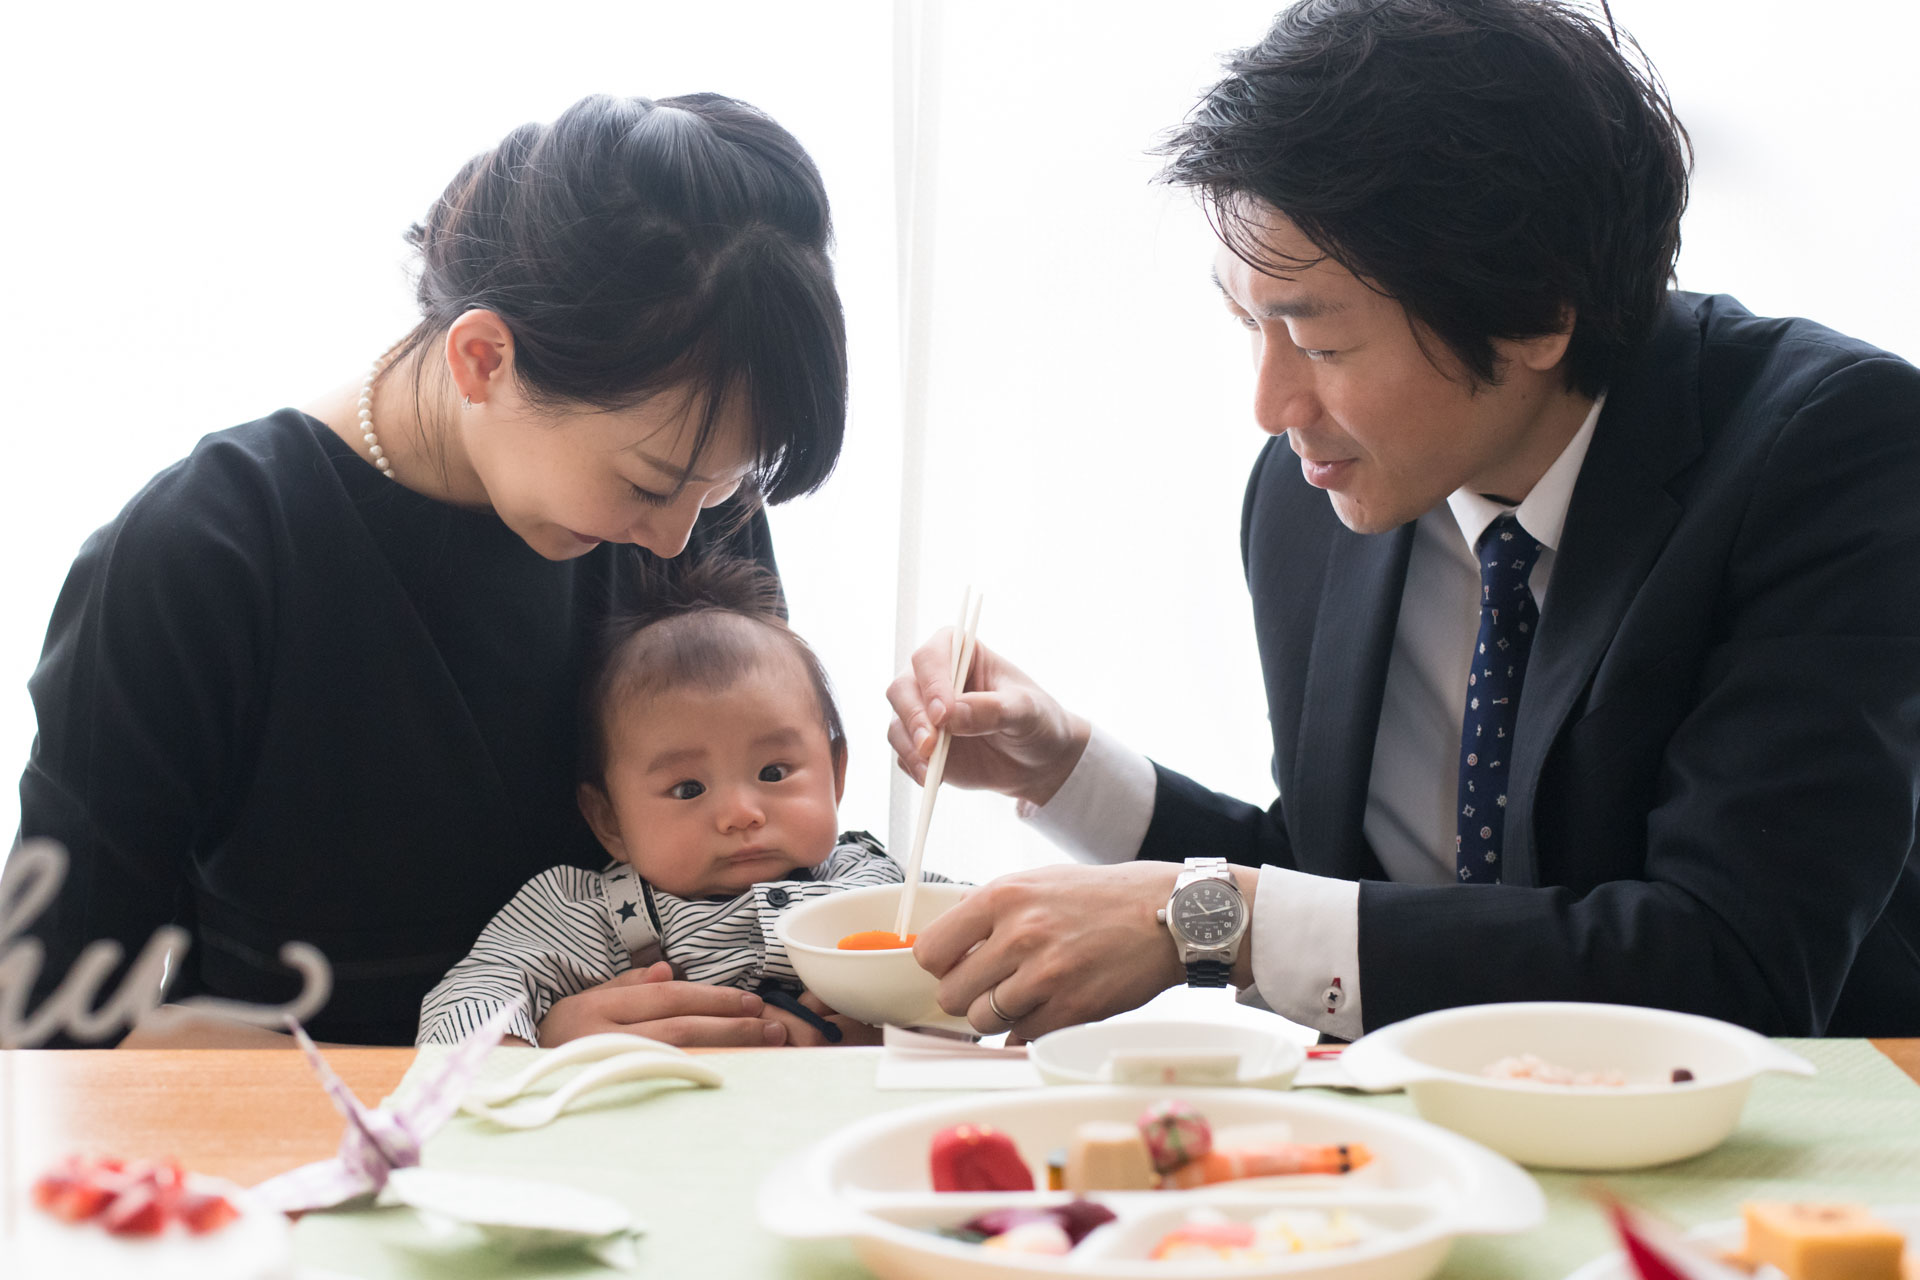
{"x":366,"y":418}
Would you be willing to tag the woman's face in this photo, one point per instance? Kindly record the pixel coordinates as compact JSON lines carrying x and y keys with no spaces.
{"x":568,"y":480}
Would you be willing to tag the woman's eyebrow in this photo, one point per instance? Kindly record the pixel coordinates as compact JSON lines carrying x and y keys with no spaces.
{"x":669,"y":468}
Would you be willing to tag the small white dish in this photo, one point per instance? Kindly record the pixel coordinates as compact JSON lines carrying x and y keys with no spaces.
{"x":1167,"y":1051}
{"x":1438,"y":1058}
{"x":870,"y":1184}
{"x":1719,"y":1237}
{"x":515,"y":1214}
{"x":883,"y":988}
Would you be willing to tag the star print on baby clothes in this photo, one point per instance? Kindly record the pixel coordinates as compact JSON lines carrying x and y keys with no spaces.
{"x":1508,"y":616}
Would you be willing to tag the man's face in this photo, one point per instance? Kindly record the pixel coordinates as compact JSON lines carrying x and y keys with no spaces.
{"x":1342,"y":372}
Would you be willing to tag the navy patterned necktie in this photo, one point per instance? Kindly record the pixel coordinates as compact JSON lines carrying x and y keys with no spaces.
{"x":1507,"y":617}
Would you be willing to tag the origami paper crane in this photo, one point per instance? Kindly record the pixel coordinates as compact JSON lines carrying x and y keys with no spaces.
{"x":378,"y":1141}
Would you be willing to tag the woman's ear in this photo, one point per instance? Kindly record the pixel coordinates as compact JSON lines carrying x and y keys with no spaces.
{"x":597,"y":809}
{"x":479,"y":353}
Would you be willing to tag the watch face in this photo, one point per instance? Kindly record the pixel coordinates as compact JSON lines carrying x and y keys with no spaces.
{"x":1207,"y":914}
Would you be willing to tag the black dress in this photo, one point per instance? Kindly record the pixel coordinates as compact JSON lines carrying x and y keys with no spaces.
{"x":284,"y":698}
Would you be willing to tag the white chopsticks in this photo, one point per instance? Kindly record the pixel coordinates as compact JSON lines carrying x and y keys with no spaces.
{"x":937,"y":766}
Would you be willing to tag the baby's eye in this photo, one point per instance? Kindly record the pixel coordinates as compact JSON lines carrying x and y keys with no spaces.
{"x":774,"y":773}
{"x":688,"y":790}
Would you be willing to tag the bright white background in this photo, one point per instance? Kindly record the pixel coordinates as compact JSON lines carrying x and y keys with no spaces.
{"x":202,"y":219}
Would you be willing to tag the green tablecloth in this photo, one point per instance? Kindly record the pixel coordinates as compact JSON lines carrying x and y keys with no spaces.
{"x":689,"y":1163}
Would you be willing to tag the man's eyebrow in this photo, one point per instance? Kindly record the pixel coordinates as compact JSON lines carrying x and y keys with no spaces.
{"x":676,"y":758}
{"x":1291,"y":309}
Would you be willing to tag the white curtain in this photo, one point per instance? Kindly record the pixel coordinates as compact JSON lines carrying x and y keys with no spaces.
{"x":203,"y":214}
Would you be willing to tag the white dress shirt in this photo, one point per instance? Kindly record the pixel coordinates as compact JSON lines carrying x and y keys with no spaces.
{"x":1306,"y":928}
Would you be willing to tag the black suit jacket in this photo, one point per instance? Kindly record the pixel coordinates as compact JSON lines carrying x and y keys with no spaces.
{"x":1717,"y":759}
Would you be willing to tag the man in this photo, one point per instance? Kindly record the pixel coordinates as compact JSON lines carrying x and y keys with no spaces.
{"x":1588,"y":611}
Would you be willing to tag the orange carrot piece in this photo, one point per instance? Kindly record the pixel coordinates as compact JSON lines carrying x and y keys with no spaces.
{"x":875,"y":940}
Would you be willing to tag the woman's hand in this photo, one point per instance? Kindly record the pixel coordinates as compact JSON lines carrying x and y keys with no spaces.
{"x":649,"y":1002}
{"x":1009,"y":735}
{"x":802,"y":1034}
{"x":1059,"y":945}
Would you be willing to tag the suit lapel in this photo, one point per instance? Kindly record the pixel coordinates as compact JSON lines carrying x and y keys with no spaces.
{"x":1346,"y":679}
{"x":1619,"y":520}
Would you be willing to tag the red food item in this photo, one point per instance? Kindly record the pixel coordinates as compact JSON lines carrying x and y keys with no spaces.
{"x":129,"y":1199}
{"x":203,"y":1213}
{"x":1077,"y":1218}
{"x":68,"y":1197}
{"x":975,"y":1157}
{"x":137,"y":1211}
{"x":875,"y":940}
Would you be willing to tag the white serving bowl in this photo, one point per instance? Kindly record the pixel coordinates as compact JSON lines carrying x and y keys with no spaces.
{"x":1149,"y":1050}
{"x":877,"y":987}
{"x":1438,"y":1057}
{"x":870,"y":1184}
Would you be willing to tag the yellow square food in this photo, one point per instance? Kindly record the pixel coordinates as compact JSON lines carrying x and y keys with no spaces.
{"x":1822,"y":1241}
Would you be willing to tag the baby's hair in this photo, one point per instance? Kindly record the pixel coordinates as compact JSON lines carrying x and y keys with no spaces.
{"x":707,"y":626}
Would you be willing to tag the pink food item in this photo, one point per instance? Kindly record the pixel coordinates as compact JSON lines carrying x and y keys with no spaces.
{"x":1273,"y":1159}
{"x":1526,"y":1066}
{"x":1047,"y":1238}
{"x":1176,"y":1134}
{"x":1204,"y":1241}
{"x":977,"y":1157}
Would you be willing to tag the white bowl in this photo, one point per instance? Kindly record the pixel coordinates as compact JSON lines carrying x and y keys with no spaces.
{"x":877,"y":987}
{"x":1165,"y":1051}
{"x":869,"y":1183}
{"x":1649,"y":1120}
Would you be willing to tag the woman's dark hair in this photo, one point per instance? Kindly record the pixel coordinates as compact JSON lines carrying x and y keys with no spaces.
{"x":634,"y":246}
{"x":706,"y":625}
{"x":1489,"y":164}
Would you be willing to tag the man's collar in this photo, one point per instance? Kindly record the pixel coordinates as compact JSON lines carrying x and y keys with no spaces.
{"x":1543,"y":512}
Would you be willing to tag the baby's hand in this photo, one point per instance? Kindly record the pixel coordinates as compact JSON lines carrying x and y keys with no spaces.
{"x":648,"y":1002}
{"x":801,"y":1033}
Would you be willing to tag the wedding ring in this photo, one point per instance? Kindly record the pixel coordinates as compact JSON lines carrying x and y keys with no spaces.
{"x":994,"y":1005}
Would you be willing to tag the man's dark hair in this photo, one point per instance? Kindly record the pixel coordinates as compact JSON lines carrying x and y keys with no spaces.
{"x":636,"y":246}
{"x":1488,"y":164}
{"x":709,"y":623}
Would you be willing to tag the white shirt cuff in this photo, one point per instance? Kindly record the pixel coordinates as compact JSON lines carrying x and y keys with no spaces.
{"x":1101,"y":812}
{"x":1306,"y":950}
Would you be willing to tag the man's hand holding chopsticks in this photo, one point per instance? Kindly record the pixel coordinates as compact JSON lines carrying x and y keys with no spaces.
{"x":1009,"y":734}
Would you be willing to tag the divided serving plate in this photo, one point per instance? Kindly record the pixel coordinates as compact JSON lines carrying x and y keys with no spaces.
{"x":870,"y":1184}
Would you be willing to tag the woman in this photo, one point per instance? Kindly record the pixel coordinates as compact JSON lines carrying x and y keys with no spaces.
{"x":317,"y":680}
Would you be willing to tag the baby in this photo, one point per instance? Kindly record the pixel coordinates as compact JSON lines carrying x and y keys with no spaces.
{"x":713,"y":764}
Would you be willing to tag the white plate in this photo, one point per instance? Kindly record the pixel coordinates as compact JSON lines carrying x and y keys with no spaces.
{"x":1728,"y":1235}
{"x":870,"y":1184}
{"x":1649,"y":1120}
{"x":1166,"y":1051}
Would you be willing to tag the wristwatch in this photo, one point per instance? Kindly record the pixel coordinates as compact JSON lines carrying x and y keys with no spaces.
{"x":1207,"y":917}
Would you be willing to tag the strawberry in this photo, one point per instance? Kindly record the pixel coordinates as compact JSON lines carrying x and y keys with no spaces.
{"x":203,"y":1213}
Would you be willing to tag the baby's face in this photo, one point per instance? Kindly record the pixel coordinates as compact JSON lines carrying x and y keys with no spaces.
{"x":708,"y":793}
